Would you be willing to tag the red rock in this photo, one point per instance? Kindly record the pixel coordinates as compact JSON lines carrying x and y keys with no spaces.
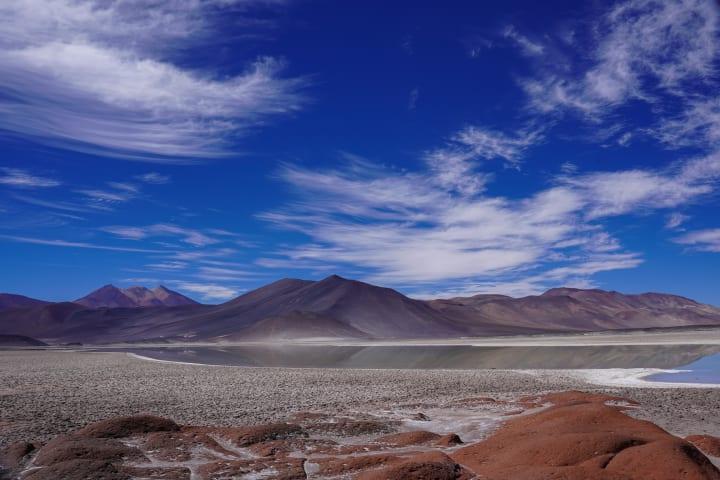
{"x":11,"y":456}
{"x":282,"y":448}
{"x":571,"y":397}
{"x":285,"y":469}
{"x":157,"y":473}
{"x":330,"y":467}
{"x":179,"y":446}
{"x":67,"y":447}
{"x":513,"y":412}
{"x":120,"y":427}
{"x":78,"y":470}
{"x":343,"y":426}
{"x":348,"y":427}
{"x":582,"y":438}
{"x":404,"y":439}
{"x":246,"y":436}
{"x":707,"y":443}
{"x":448,"y":440}
{"x":423,"y":466}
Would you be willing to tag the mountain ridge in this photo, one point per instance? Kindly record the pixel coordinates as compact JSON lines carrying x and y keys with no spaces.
{"x":13,"y":300}
{"x":335,"y":307}
{"x":110,"y":296}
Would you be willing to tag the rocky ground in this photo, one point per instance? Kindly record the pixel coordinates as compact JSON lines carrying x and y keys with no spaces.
{"x":44,"y":394}
{"x":567,"y":435}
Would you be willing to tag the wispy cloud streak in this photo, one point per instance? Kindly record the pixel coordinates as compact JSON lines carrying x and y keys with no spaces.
{"x":95,"y":76}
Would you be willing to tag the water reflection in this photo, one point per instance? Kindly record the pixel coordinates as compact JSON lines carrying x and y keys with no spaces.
{"x":427,"y":357}
{"x":705,"y":370}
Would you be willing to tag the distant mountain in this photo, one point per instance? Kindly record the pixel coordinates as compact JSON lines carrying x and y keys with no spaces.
{"x":10,"y":300}
{"x":569,"y":309}
{"x":336,"y":307}
{"x":20,"y":341}
{"x":375,"y":311}
{"x":111,"y":296}
{"x":298,"y":325}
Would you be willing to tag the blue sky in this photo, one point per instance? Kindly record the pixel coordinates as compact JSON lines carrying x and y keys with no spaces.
{"x":216,"y":145}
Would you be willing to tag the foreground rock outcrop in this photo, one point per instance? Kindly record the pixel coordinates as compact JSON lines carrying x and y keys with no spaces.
{"x":583,"y":437}
{"x":570,"y":435}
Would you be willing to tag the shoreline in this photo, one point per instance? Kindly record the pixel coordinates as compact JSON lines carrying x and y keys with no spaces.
{"x":683,"y":336}
{"x":599,"y":377}
{"x":44,"y":393}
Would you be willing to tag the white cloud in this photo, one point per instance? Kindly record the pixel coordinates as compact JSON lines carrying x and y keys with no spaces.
{"x":702,"y":240}
{"x":169,"y":265}
{"x":675,"y":220}
{"x":107,"y":196}
{"x":489,"y":144}
{"x":697,"y":125}
{"x":577,"y":276}
{"x":432,"y":234}
{"x":16,"y":177}
{"x":455,"y":165}
{"x":53,"y":204}
{"x":631,"y":191}
{"x":153,"y":178}
{"x":224,"y":274}
{"x":209,"y":292}
{"x":643,"y":46}
{"x":93,"y":76}
{"x":526,"y":45}
{"x":187,"y":235}
{"x":429,"y":227}
{"x":65,"y":243}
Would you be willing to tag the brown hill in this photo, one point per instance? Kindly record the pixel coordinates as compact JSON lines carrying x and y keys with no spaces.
{"x":297,"y":325}
{"x":342,"y":308}
{"x":11,"y":300}
{"x":111,"y":296}
{"x":566,"y":309}
{"x":376,"y":311}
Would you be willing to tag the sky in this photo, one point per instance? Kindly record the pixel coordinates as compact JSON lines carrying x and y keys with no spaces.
{"x":439,"y":148}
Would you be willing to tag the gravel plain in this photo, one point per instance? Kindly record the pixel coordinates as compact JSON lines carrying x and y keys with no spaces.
{"x":47,"y":392}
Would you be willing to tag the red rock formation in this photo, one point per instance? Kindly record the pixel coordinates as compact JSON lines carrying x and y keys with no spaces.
{"x":261,"y":433}
{"x":706,"y":443}
{"x":580,"y":437}
{"x":119,"y":427}
{"x":80,"y":470}
{"x":420,"y":437}
{"x":12,"y":455}
{"x":423,"y":466}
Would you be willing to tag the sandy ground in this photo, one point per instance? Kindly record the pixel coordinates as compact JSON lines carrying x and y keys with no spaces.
{"x":45,"y":393}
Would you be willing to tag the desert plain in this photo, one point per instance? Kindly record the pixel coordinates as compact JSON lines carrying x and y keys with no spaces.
{"x":312,"y":418}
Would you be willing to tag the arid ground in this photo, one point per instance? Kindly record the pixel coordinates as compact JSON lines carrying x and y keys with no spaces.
{"x":45,"y":393}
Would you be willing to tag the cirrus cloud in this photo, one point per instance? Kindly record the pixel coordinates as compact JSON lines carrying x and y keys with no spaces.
{"x":95,"y":76}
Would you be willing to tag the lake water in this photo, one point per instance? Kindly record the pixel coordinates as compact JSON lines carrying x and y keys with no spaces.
{"x":705,"y":370}
{"x":702,"y":359}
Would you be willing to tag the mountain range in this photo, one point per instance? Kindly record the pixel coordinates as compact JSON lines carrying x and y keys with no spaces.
{"x":111,"y":296}
{"x":336,"y":307}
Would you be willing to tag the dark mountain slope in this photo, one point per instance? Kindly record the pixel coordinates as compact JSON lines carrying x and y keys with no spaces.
{"x":106,"y":296}
{"x":11,"y":300}
{"x":297,"y":325}
{"x":20,"y":341}
{"x":110,"y":296}
{"x":376,"y":311}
